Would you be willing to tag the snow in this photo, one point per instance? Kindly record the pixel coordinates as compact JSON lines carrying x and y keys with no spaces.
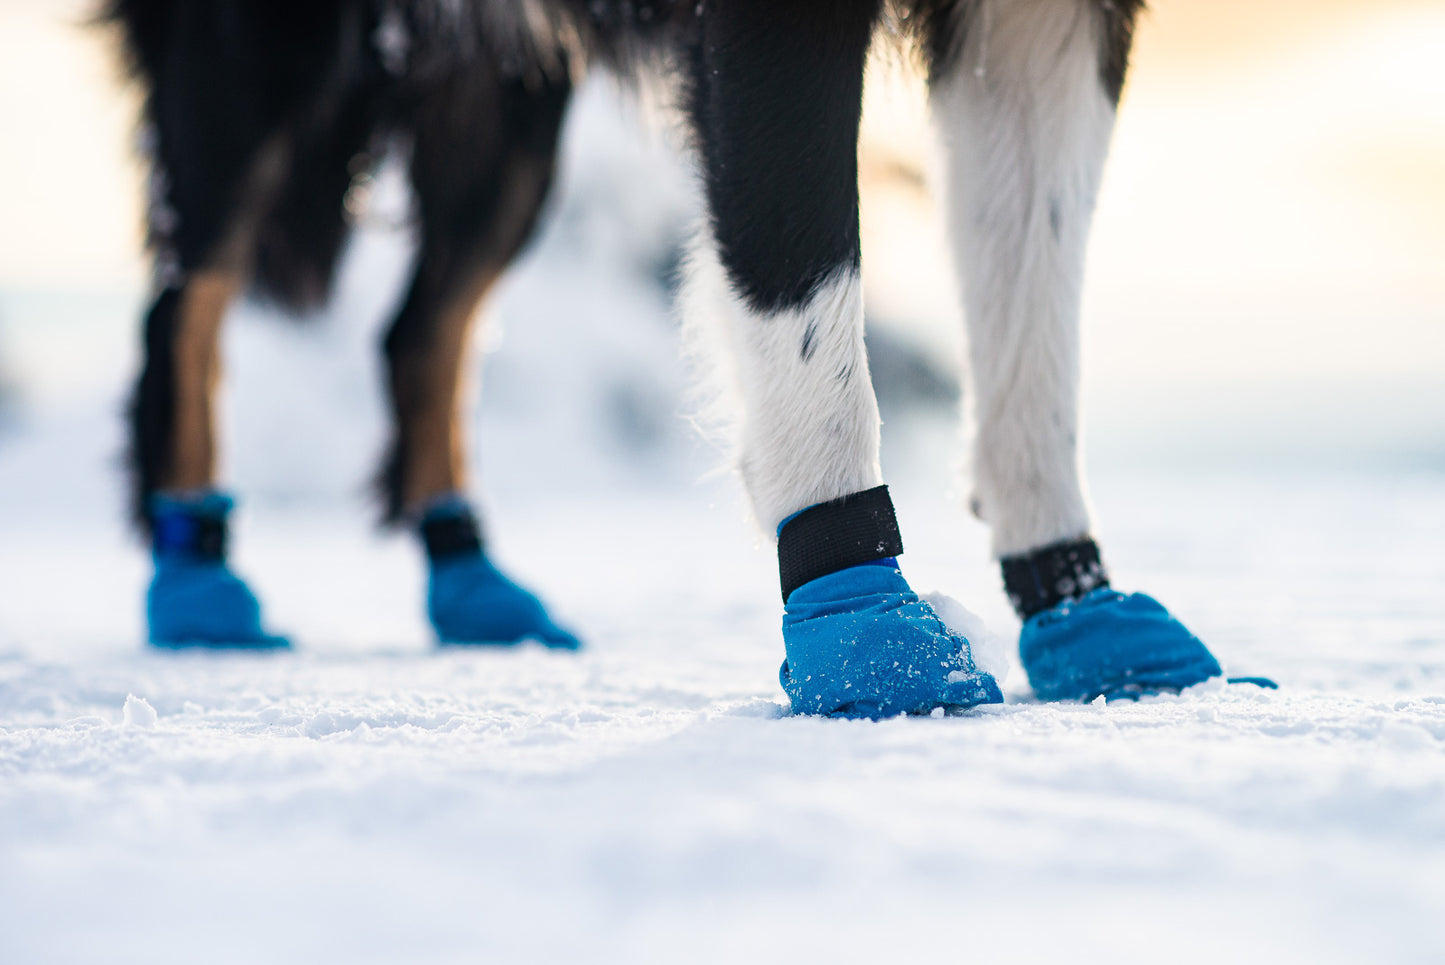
{"x":370,"y":798}
{"x":990,"y":652}
{"x":138,"y":712}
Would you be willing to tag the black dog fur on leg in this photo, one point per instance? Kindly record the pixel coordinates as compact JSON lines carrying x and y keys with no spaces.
{"x":257,"y":112}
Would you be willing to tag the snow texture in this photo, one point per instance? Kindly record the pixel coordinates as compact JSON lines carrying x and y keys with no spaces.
{"x":990,"y":652}
{"x":371,"y":799}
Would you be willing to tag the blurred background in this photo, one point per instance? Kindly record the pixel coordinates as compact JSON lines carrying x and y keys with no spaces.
{"x":1265,"y":279}
{"x":1265,"y":293}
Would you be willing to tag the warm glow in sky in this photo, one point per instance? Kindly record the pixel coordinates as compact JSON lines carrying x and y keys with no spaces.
{"x":69,"y":208}
{"x":1274,"y":206}
{"x":1274,"y":203}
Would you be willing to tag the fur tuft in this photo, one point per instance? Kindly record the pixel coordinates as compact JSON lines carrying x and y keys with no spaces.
{"x":787,"y":393}
{"x":716,"y":401}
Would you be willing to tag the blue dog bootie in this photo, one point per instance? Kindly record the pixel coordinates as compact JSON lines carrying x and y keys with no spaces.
{"x":195,"y":601}
{"x":1113,"y":645}
{"x":469,"y":601}
{"x":1082,"y":640}
{"x":860,"y":643}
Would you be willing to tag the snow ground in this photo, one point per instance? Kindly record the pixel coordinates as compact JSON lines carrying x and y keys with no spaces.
{"x":369,"y":799}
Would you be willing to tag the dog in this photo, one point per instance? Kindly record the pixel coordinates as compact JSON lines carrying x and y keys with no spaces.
{"x":257,"y":115}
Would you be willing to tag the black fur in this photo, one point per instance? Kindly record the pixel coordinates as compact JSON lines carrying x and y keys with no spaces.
{"x":300,"y":241}
{"x":258,"y":111}
{"x":940,"y":28}
{"x":223,"y":80}
{"x":776,"y":99}
{"x":482,"y":163}
{"x":1120,"y":17}
{"x":152,"y":405}
{"x":937,"y":26}
{"x":225,"y":83}
{"x":256,"y":114}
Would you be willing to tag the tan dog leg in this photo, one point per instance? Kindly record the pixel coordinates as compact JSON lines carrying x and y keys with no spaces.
{"x":429,"y":390}
{"x":207,"y":297}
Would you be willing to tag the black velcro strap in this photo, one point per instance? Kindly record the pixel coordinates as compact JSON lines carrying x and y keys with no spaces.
{"x":451,"y":534}
{"x":833,"y":536}
{"x":211,"y":537}
{"x":1043,"y":579}
{"x":193,"y":537}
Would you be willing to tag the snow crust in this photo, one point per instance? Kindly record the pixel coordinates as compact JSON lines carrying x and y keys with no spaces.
{"x":370,"y":799}
{"x":990,"y":652}
{"x":137,"y":712}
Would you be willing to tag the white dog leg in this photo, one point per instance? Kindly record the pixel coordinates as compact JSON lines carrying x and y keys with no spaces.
{"x":1026,"y":106}
{"x":776,"y":111}
{"x":804,"y":423}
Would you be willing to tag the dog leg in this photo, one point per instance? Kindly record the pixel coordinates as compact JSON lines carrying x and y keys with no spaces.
{"x":204,"y":300}
{"x":194,"y":598}
{"x":1025,"y":93}
{"x":217,"y":159}
{"x":484,"y":154}
{"x":776,"y":103}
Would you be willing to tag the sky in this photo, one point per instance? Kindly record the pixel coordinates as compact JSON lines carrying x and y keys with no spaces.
{"x":1266,"y":265}
{"x":1268,"y":244}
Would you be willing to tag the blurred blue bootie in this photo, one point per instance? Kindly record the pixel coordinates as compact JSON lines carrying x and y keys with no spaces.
{"x":471,"y":602}
{"x":1113,"y":645}
{"x":194,"y":600}
{"x":861,"y":644}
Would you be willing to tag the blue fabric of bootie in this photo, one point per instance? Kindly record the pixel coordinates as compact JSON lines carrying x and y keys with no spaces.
{"x":195,"y":601}
{"x":861,"y":644}
{"x":470,"y":601}
{"x":1114,"y":645}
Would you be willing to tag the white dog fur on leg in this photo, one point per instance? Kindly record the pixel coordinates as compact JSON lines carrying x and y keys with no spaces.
{"x":1026,"y":123}
{"x":791,"y":389}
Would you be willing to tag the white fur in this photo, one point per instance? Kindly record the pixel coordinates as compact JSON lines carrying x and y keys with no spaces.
{"x":1026,"y":125}
{"x":803,"y":431}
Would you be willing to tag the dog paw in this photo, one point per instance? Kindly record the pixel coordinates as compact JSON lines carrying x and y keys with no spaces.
{"x":472,"y":603}
{"x":203,"y":605}
{"x":1113,"y":645}
{"x":861,"y":644}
